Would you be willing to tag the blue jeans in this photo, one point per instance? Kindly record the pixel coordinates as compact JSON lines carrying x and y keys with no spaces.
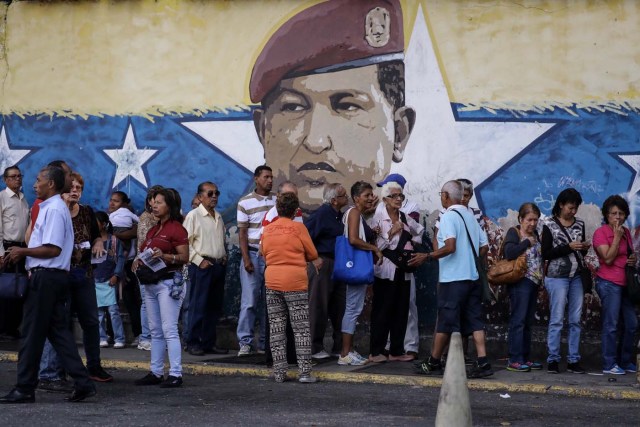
{"x":163,"y":312}
{"x":116,"y":323}
{"x":522,"y":300}
{"x":252,"y":301}
{"x":353,"y":307}
{"x":563,"y":290}
{"x":50,"y":368}
{"x":616,"y":306}
{"x":144,"y":321}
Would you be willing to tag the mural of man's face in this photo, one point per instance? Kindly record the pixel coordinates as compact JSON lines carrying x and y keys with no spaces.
{"x":333,"y":127}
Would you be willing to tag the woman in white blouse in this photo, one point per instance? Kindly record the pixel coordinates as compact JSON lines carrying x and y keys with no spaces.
{"x":391,"y":287}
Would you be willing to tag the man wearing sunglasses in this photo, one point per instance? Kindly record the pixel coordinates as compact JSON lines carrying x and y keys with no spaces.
{"x":207,"y":268}
{"x":14,"y":217}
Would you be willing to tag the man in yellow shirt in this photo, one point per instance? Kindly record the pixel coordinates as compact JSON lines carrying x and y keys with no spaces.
{"x":207,"y":268}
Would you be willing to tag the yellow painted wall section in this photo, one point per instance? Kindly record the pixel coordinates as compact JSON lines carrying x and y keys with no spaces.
{"x":150,"y":57}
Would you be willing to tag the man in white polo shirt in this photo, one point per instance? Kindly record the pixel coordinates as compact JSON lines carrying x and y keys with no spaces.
{"x":46,"y":312}
{"x":251,"y":211}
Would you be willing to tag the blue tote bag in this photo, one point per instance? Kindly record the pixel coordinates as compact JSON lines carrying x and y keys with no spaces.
{"x":352,"y":265}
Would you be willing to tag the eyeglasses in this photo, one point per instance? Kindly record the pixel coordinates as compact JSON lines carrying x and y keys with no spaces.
{"x":14,"y":176}
{"x":210,"y":193}
{"x":443,"y":192}
{"x":399,"y":196}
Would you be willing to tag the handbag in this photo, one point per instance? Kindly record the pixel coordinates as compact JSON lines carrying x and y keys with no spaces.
{"x":352,"y":266}
{"x":633,"y":279}
{"x":487,"y":293}
{"x":507,"y":272}
{"x":13,"y":285}
{"x":400,"y":256}
{"x":585,"y":274}
{"x":147,"y":276}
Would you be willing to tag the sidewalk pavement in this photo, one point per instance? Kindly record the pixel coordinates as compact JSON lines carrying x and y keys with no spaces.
{"x":593,"y":384}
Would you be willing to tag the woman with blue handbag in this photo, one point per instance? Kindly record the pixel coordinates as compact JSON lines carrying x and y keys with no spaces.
{"x":361,"y":237}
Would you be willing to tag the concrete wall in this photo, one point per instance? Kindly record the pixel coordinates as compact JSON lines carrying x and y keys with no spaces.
{"x":524,"y":98}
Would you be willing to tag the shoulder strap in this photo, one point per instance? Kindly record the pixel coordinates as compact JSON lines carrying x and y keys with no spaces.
{"x":473,"y":248}
{"x":577,"y":253}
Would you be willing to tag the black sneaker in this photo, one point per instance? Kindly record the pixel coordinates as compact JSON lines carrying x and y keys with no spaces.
{"x":553,"y":368}
{"x":78,"y":395}
{"x":100,"y":375}
{"x":149,"y":379}
{"x":575,"y":368}
{"x":171,"y":382}
{"x":56,"y":386}
{"x":429,"y":367}
{"x":480,"y":371}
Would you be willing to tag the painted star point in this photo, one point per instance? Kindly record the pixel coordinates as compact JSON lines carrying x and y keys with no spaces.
{"x":9,"y":156}
{"x":129,"y":160}
{"x":441,"y":148}
{"x":633,"y":160}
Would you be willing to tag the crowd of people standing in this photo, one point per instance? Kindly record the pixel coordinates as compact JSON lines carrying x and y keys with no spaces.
{"x":164,"y":266}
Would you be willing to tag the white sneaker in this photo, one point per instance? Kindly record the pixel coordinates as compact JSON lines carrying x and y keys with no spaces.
{"x":352,"y":359}
{"x":307,"y":379}
{"x":119,"y":345}
{"x":144,"y":345}
{"x":245,"y":350}
{"x":321,"y":355}
{"x":104,"y":344}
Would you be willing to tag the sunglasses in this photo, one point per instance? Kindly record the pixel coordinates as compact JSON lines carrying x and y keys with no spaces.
{"x":210,"y":193}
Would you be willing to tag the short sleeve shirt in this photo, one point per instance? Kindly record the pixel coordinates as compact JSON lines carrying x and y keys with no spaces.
{"x":459,"y":265}
{"x":615,"y":272}
{"x":170,"y":235}
{"x":53,"y":227}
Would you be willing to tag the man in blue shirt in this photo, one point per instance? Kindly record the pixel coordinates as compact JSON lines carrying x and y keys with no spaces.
{"x":46,"y":313}
{"x":459,"y":290}
{"x":327,"y":298}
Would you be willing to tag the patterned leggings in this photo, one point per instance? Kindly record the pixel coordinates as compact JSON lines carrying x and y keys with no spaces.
{"x":294,"y":305}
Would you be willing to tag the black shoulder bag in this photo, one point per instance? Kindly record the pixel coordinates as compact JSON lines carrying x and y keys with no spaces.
{"x":400,"y":256}
{"x":487,"y":293}
{"x":632,"y":277}
{"x":585,"y":274}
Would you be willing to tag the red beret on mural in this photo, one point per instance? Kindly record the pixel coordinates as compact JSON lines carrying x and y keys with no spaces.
{"x":330,"y":36}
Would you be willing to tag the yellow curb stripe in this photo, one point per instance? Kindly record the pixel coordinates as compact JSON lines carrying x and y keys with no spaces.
{"x":364,"y":378}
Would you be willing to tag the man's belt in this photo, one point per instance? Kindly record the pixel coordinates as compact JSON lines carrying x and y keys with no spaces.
{"x":253,"y":249}
{"x":214,"y":260}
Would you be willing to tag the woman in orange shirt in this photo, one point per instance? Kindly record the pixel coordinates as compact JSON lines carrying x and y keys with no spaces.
{"x":287,"y":247}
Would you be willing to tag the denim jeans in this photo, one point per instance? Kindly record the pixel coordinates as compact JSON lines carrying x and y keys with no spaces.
{"x":616,"y":306}
{"x":163,"y":312}
{"x":50,"y":368}
{"x":564,"y":291}
{"x":252,"y":302}
{"x":522,"y":300}
{"x":116,"y":323}
{"x":145,"y":336}
{"x":353,"y":308}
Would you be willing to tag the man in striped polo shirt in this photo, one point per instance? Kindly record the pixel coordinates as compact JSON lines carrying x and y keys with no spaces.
{"x":251,"y":211}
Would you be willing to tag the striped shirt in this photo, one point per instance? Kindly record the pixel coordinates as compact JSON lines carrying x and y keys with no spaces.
{"x":251,"y":211}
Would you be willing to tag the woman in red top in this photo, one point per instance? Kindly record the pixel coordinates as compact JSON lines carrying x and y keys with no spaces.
{"x":614,"y":247}
{"x":287,"y":247}
{"x":164,"y":290}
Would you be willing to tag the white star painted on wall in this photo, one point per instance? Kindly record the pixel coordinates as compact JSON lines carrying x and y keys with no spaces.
{"x":129,"y":160}
{"x":9,"y":157}
{"x":634,"y":162}
{"x":441,"y":148}
{"x":236,"y":138}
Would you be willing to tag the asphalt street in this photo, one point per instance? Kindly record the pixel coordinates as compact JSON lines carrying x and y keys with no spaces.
{"x":247,"y":401}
